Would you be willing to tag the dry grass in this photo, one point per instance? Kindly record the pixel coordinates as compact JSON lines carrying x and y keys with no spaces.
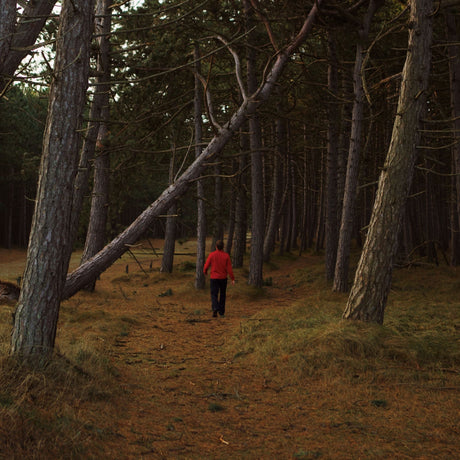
{"x":142,"y":370}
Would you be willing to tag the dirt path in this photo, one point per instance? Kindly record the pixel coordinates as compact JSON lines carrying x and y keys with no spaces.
{"x":188,"y":397}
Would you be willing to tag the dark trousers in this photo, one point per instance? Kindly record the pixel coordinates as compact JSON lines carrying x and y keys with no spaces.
{"x":218,"y":302}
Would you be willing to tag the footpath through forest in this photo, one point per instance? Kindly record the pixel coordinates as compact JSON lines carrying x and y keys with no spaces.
{"x":189,"y":397}
{"x":186,"y":387}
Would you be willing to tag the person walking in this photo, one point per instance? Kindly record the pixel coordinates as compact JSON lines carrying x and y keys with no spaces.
{"x":221,"y":267}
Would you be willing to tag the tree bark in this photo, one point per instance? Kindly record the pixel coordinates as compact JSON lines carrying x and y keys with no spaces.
{"x":241,"y":219}
{"x":277,"y":195}
{"x":25,"y":34}
{"x":257,"y":190}
{"x":200,"y":280}
{"x":7,"y":26}
{"x":50,"y":245}
{"x":371,"y":286}
{"x":231,"y":213}
{"x":97,"y":135}
{"x":96,"y":234}
{"x":351,"y":182}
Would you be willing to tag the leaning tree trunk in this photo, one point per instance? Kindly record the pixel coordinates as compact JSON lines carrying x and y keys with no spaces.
{"x":50,"y":245}
{"x":371,"y":286}
{"x":107,"y":256}
{"x":351,"y":182}
{"x":200,"y":280}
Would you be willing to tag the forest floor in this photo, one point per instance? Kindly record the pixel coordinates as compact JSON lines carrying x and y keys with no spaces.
{"x":184,"y":390}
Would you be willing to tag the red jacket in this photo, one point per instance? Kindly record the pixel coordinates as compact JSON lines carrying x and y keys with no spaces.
{"x":220,"y":264}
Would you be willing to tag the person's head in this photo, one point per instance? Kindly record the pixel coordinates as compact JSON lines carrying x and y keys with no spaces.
{"x":219,"y":245}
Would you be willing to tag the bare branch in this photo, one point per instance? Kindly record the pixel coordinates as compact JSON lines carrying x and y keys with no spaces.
{"x":264,"y":19}
{"x":237,"y":66}
{"x":209,"y":106}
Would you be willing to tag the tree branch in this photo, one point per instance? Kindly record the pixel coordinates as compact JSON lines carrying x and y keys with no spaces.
{"x":237,"y":66}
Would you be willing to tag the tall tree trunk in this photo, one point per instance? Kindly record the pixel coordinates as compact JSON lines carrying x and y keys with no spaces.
{"x":351,"y":182}
{"x":97,"y":134}
{"x":320,"y":229}
{"x":277,"y":195}
{"x":294,"y":212}
{"x":50,"y":245}
{"x":231,"y":214}
{"x":332,"y":223}
{"x":241,"y":219}
{"x":257,"y":190}
{"x":371,"y":286}
{"x":303,"y":225}
{"x":200,"y":280}
{"x":96,"y":234}
{"x":97,"y":228}
{"x":107,"y":256}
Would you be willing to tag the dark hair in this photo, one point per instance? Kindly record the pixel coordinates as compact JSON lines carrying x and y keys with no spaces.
{"x":220,"y":245}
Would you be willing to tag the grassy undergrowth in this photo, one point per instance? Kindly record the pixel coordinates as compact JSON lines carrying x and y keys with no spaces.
{"x":59,"y":411}
{"x":419,"y":341}
{"x":64,"y":411}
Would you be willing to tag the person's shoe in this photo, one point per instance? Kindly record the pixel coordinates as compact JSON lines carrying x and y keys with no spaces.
{"x":214,"y":314}
{"x":221,"y":314}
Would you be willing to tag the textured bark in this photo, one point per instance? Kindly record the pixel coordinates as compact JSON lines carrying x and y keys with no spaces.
{"x":351,"y":181}
{"x":200,"y":280}
{"x":7,"y":26}
{"x":105,"y":258}
{"x":25,"y":34}
{"x":255,"y":140}
{"x":96,"y":234}
{"x":371,"y":286}
{"x":50,"y":244}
